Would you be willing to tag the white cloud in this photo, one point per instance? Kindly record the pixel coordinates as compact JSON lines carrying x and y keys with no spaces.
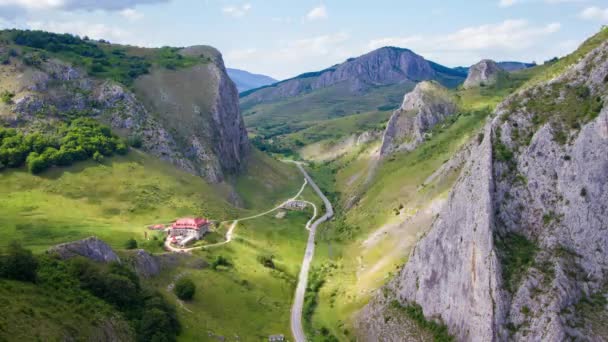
{"x":131,"y":14}
{"x":295,"y":56}
{"x":509,"y":3}
{"x":317,"y":13}
{"x":237,"y":11}
{"x":114,"y":5}
{"x":595,"y":13}
{"x":508,"y":39}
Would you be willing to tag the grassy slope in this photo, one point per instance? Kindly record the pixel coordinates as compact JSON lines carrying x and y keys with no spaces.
{"x":396,"y":182}
{"x":276,"y":118}
{"x":247,"y":299}
{"x":117,"y":199}
{"x":370,"y":244}
{"x":31,"y":312}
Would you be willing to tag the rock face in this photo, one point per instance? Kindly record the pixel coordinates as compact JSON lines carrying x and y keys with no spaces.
{"x":90,"y":248}
{"x":519,"y":250}
{"x":145,"y":265}
{"x":388,"y":65}
{"x":485,"y":72}
{"x":423,"y":108}
{"x":189,"y":117}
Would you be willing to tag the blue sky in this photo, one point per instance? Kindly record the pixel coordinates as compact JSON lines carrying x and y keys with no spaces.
{"x":283,"y":38}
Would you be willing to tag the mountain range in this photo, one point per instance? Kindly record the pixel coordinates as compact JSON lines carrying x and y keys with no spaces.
{"x":245,"y":80}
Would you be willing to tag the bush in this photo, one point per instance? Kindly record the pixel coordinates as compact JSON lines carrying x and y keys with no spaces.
{"x":131,"y":244}
{"x":220,"y":261}
{"x":135,"y":141}
{"x":7,"y":97}
{"x":84,"y":138}
{"x":18,"y":264}
{"x":184,"y":289}
{"x":98,"y":157}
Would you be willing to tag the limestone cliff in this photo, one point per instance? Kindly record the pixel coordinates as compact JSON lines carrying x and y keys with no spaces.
{"x":187,"y":116}
{"x":519,"y":251}
{"x":484,"y":73}
{"x":423,"y":108}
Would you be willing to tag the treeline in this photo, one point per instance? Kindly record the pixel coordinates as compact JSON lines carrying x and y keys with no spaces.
{"x":152,"y":318}
{"x":99,"y":58}
{"x":81,"y":139}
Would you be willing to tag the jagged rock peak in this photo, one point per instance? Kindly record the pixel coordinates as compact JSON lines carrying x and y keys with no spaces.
{"x":90,"y":248}
{"x":423,"y":108}
{"x":483,"y":73}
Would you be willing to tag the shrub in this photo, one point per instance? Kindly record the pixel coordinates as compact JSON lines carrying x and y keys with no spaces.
{"x":131,"y":244}
{"x":36,"y":163}
{"x":98,"y":157}
{"x":516,"y":254}
{"x":135,"y":141}
{"x":220,"y":261}
{"x":184,"y":289}
{"x":18,"y":264}
{"x":7,"y":97}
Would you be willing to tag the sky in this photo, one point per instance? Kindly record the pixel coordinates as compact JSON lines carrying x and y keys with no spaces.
{"x":282,"y":38}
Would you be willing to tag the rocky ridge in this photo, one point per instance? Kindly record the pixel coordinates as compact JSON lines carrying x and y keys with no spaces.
{"x":519,"y":250}
{"x":423,"y":108}
{"x":484,"y":73}
{"x":387,"y":65}
{"x":215,"y":128}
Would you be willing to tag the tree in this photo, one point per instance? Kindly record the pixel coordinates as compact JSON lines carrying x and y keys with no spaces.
{"x":184,"y":289}
{"x":36,"y":163}
{"x":18,"y":264}
{"x":131,"y":244}
{"x":98,"y":157}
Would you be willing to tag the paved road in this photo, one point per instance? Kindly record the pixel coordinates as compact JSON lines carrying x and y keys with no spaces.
{"x":296,"y":310}
{"x":230,"y":232}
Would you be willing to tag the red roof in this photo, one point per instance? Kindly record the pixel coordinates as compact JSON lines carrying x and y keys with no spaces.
{"x":190,"y":223}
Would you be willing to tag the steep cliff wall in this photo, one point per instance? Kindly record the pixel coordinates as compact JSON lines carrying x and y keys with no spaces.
{"x":187,"y":116}
{"x":423,"y":108}
{"x":519,"y":250}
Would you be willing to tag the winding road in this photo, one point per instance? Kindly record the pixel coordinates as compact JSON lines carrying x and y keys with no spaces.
{"x":230,"y":231}
{"x":298,"y":304}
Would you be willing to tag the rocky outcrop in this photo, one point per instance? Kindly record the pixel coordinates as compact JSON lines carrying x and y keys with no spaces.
{"x":484,"y":73}
{"x":388,"y":65}
{"x":144,"y":264}
{"x":90,"y":248}
{"x":519,"y":251}
{"x":423,"y":108}
{"x":201,"y":103}
{"x":189,"y":117}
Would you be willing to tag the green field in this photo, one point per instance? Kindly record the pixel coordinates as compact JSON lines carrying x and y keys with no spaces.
{"x":117,"y":199}
{"x":246,"y":299}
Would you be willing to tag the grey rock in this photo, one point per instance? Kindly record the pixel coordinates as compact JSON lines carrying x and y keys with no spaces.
{"x":456,"y":272}
{"x":384,"y":66}
{"x":483,"y":73}
{"x":145,"y":265}
{"x":423,"y":108}
{"x":90,"y":248}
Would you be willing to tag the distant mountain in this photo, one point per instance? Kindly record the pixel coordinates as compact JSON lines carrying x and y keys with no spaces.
{"x":381,"y":67}
{"x":514,"y":66}
{"x":507,"y":66}
{"x":245,"y":80}
{"x":375,"y":81}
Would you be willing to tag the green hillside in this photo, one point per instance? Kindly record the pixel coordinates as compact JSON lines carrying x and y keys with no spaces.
{"x":300,"y":112}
